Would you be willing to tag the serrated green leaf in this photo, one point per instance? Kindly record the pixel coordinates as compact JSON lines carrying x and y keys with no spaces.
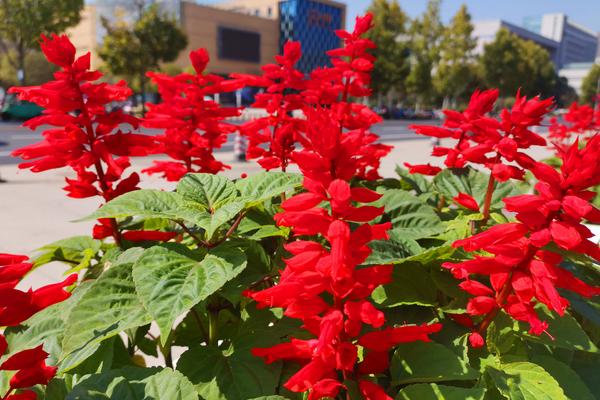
{"x":569,"y":381}
{"x":428,"y":362}
{"x":433,"y":391}
{"x":452,"y":181}
{"x":169,"y":283}
{"x":266,"y":185}
{"x":132,"y":383}
{"x":212,"y":191}
{"x":234,"y":374}
{"x":108,"y":307}
{"x":417,"y":182}
{"x":410,"y":216}
{"x":411,"y":284}
{"x":525,"y":381}
{"x":149,"y":203}
{"x":565,"y":331}
{"x":76,"y":251}
{"x":392,"y":251}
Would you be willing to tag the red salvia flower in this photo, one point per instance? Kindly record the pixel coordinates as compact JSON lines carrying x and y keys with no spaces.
{"x":194,"y":124}
{"x":17,"y":306}
{"x":492,"y":143}
{"x":88,"y":138}
{"x":522,"y":270}
{"x":322,"y":284}
{"x":581,"y":121}
{"x":282,"y":83}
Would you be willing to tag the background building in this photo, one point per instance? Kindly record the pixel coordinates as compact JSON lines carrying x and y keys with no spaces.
{"x":577,"y":43}
{"x":240,"y":36}
{"x":485,"y":32}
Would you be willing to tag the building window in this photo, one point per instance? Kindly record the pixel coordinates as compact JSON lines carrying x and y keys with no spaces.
{"x":269,"y":11}
{"x":238,"y":45}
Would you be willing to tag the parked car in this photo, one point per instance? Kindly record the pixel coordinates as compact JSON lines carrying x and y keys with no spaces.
{"x":13,"y":108}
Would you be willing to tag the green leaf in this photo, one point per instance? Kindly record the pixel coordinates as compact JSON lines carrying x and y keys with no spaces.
{"x":266,"y":185}
{"x":392,"y":251}
{"x":170,"y":284}
{"x":416,"y":182}
{"x":212,"y":222}
{"x":569,"y":381}
{"x":410,"y":216}
{"x":212,"y":191}
{"x":525,"y":381}
{"x":234,"y":373}
{"x":428,"y":362}
{"x":450,"y":182}
{"x":132,"y":383}
{"x":432,"y":391}
{"x":151,"y":204}
{"x":77,"y":251}
{"x":411,"y":284}
{"x":566,"y":332}
{"x":108,"y":307}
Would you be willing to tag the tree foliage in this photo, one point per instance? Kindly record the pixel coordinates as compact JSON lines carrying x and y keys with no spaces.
{"x":511,"y":63}
{"x":589,"y":87}
{"x":133,"y":50}
{"x":24,"y":20}
{"x":426,"y":34}
{"x":392,"y":65}
{"x":457,"y":63}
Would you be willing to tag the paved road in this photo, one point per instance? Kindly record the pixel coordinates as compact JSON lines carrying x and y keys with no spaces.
{"x":13,"y":136}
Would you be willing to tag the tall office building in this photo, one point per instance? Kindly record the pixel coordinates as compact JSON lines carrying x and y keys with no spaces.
{"x":577,"y":43}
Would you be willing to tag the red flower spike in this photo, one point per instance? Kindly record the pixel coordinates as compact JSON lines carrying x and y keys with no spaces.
{"x":17,"y":306}
{"x":87,"y":138}
{"x":520,"y":272}
{"x":485,"y":141}
{"x":193,"y":123}
{"x":322,"y":284}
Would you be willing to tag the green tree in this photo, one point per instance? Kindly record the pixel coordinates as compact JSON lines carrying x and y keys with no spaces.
{"x":539,"y":72}
{"x":392,"y":64}
{"x":39,"y":70}
{"x":24,"y":20}
{"x":426,"y":34}
{"x":511,"y":63}
{"x":591,"y":85}
{"x":133,"y":50}
{"x":456,"y":68}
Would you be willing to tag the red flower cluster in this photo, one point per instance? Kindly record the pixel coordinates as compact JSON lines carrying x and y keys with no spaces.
{"x":283,"y":82}
{"x":17,"y":306}
{"x":582,"y":120}
{"x":87,"y":137}
{"x":487,"y":141}
{"x":192,"y":120}
{"x":323,"y":283}
{"x":523,"y":270}
{"x":288,"y":93}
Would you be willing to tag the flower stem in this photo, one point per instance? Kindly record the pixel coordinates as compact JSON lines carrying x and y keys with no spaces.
{"x":213,"y":323}
{"x":487,"y":203}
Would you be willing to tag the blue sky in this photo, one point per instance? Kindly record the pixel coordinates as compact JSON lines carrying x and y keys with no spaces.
{"x":583,"y":12}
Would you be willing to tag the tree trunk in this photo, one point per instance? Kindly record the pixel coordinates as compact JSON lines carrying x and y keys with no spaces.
{"x":143,"y":92}
{"x":21,"y":64}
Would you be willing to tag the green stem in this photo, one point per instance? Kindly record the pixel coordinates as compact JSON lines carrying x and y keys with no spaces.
{"x":213,"y":324}
{"x":488,"y":199}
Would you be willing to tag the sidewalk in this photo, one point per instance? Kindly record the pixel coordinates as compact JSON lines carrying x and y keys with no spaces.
{"x":35,"y":211}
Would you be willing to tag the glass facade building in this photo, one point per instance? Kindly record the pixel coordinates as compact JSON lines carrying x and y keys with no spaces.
{"x":313,"y":23}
